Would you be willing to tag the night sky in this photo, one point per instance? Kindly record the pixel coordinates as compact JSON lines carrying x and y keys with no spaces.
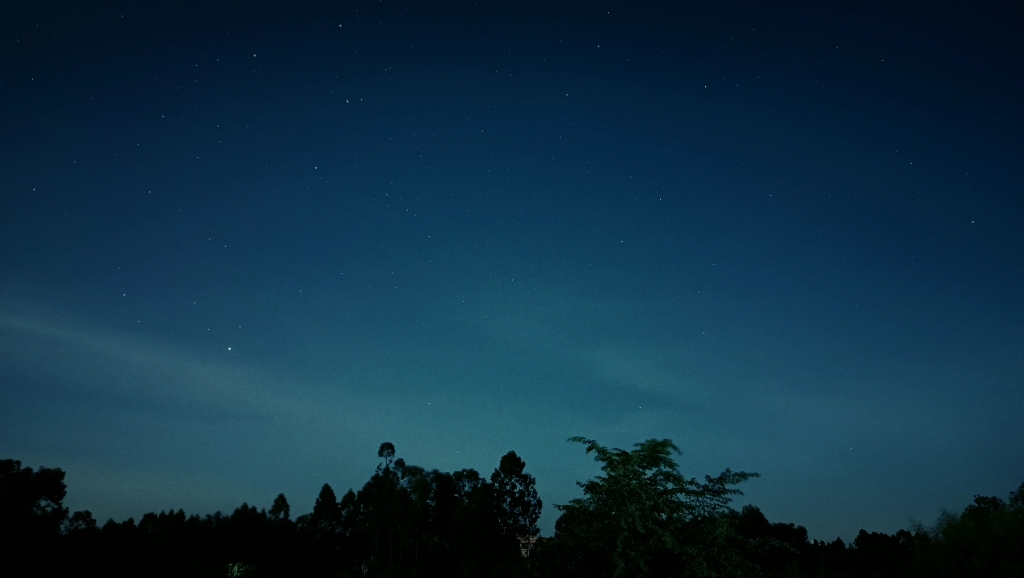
{"x":244,"y":243}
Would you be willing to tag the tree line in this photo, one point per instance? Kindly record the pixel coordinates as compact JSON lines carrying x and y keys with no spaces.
{"x":640,"y":518}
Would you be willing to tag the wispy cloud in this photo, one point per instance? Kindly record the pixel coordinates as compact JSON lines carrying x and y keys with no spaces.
{"x":619,"y":366}
{"x":586,"y":333}
{"x":140,"y":368}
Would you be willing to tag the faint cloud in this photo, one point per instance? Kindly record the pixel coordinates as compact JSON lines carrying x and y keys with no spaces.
{"x":585,"y":332}
{"x":618,"y":366}
{"x":136,"y":367}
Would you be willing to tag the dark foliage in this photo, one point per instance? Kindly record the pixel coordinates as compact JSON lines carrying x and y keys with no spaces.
{"x":32,"y":512}
{"x":640,"y":518}
{"x":643,"y":518}
{"x":516,"y":499}
{"x":31,"y":502}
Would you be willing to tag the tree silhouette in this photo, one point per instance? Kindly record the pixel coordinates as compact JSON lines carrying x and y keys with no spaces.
{"x":31,"y":516}
{"x":280,"y":509}
{"x":380,"y":512}
{"x":984,"y":540}
{"x":78,"y":522}
{"x":643,"y":518}
{"x":776,"y":548}
{"x":325,"y":520}
{"x":516,"y":502}
{"x":640,"y":518}
{"x":387,"y":452}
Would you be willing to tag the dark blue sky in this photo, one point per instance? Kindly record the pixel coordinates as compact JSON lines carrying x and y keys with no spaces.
{"x":241,"y":244}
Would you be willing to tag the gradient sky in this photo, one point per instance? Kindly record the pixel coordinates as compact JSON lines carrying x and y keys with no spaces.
{"x":242,"y":243}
